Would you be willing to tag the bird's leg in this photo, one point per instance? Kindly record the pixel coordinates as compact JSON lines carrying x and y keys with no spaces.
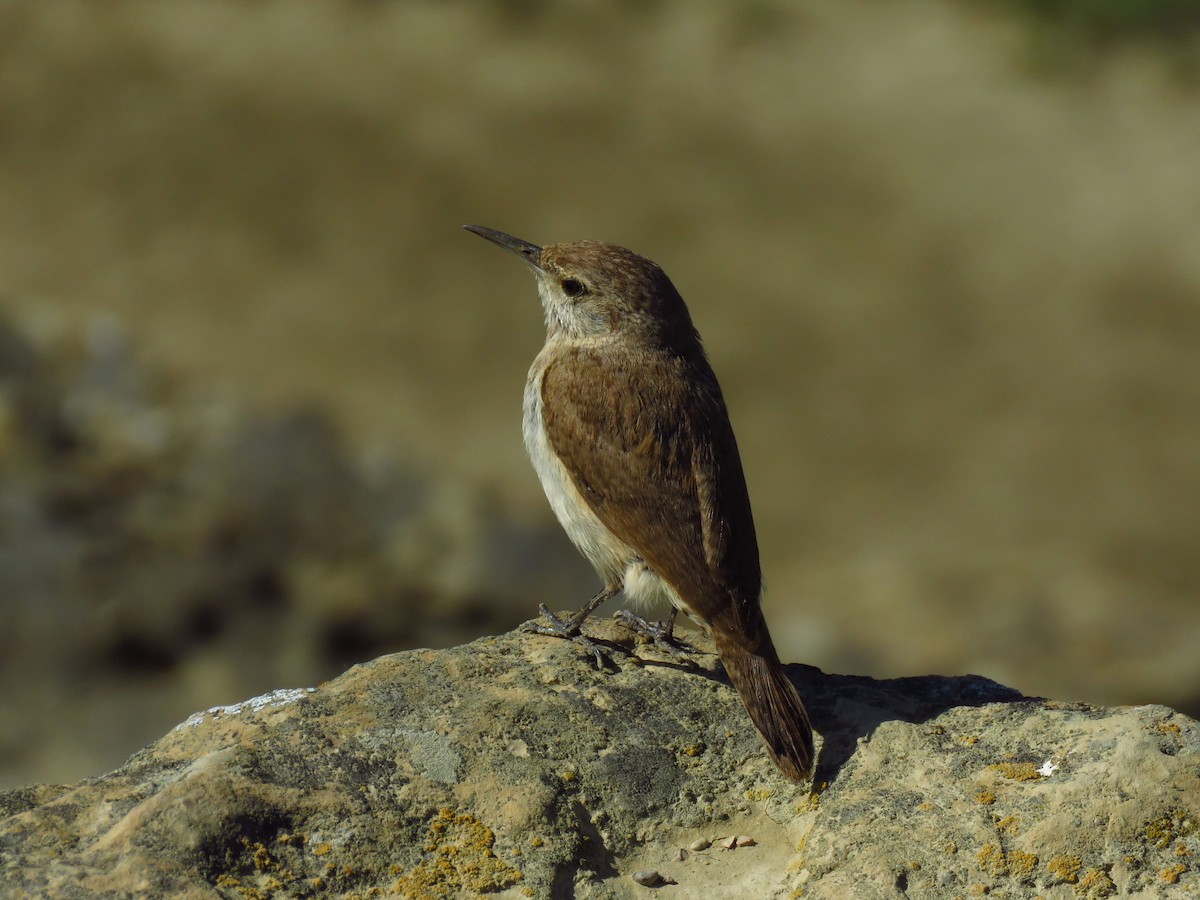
{"x":571,"y":628}
{"x":662,"y":634}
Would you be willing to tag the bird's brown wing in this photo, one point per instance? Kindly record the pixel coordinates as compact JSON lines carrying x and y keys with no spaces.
{"x":648,"y":445}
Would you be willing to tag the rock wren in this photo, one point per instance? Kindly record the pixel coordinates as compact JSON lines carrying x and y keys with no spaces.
{"x":627,"y":429}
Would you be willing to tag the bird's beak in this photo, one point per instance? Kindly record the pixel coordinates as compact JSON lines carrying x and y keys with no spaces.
{"x":531,"y":253}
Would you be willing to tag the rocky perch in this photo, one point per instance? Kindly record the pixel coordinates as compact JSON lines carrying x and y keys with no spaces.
{"x":512,"y":767}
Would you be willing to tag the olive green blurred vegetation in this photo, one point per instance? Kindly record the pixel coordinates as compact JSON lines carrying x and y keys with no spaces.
{"x":953,"y":298}
{"x":1073,"y":38}
{"x":1119,"y":19}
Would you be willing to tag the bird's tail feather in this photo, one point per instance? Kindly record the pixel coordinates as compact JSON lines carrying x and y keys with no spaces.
{"x":774,"y":705}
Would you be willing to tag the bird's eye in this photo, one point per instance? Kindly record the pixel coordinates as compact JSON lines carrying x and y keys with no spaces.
{"x":572,"y":287}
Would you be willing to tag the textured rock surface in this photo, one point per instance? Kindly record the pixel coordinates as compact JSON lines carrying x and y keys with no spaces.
{"x":511,"y":766}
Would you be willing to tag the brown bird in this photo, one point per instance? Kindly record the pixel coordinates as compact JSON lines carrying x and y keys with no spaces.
{"x":627,"y":429}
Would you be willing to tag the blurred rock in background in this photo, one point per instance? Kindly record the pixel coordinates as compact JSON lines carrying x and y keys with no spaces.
{"x":162,"y":548}
{"x":944,"y":260}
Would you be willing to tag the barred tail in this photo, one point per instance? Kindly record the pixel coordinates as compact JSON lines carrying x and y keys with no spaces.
{"x":774,"y":705}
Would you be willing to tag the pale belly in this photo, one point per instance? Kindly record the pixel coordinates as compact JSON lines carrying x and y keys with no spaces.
{"x":614,"y":561}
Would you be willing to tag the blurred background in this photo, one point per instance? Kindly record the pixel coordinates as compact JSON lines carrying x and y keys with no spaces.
{"x":260,"y":395}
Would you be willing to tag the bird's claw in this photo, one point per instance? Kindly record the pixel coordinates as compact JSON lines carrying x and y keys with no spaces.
{"x":661,"y":634}
{"x":568,"y":629}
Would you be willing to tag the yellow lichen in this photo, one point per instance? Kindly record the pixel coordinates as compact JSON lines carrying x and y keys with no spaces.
{"x":1025,"y":771}
{"x":1095,"y":884}
{"x":270,"y":878}
{"x":262,"y":856}
{"x":991,"y":860}
{"x":1022,"y":864}
{"x":1009,"y":824}
{"x":461,"y":860}
{"x":1164,"y":830}
{"x":1171,"y":874}
{"x":1065,"y":868}
{"x":985,"y":797}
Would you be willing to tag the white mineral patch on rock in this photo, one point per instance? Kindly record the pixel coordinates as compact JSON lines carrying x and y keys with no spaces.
{"x":280,"y":697}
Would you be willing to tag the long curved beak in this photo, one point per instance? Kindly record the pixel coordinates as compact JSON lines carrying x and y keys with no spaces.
{"x":531,"y":253}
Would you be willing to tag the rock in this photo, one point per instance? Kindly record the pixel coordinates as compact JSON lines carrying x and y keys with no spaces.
{"x":511,"y":766}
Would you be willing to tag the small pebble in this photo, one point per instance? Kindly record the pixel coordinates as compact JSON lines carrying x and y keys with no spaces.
{"x":680,"y":855}
{"x":729,"y":843}
{"x":744,"y":840}
{"x":700,"y":844}
{"x":648,"y":878}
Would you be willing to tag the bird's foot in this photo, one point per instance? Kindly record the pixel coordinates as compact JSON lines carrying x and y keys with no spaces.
{"x":661,"y":634}
{"x":568,"y":629}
